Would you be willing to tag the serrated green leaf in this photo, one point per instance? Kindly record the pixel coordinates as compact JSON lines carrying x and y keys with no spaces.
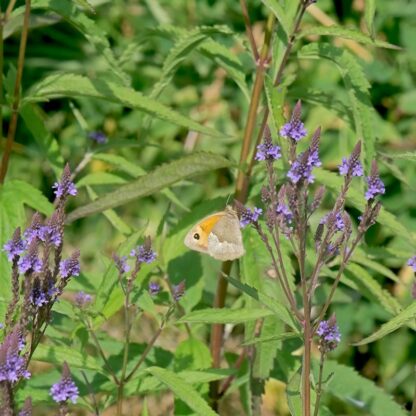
{"x":159,"y":178}
{"x":356,"y":390}
{"x":272,"y":304}
{"x":366,"y":282}
{"x":345,"y":33}
{"x":403,"y":318}
{"x":358,"y":90}
{"x":182,"y":390}
{"x":74,"y":85}
{"x":410,"y":156}
{"x":135,"y":171}
{"x":57,"y":355}
{"x":224,"y":315}
{"x":100,"y":178}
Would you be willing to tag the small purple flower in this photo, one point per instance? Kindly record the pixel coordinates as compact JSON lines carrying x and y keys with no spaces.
{"x":154,"y":288}
{"x":302,"y":167}
{"x":352,"y":165}
{"x":268,"y":151}
{"x":294,"y":129}
{"x":144,"y":252}
{"x":98,"y":137}
{"x":121,"y":263}
{"x":284,"y":211}
{"x":375,"y":187}
{"x":65,"y":187}
{"x":250,"y":217}
{"x":82,"y":299}
{"x":65,"y":389}
{"x":38,"y":298}
{"x":70,"y":267}
{"x":338,"y":223}
{"x":329,"y":335}
{"x":15,"y":247}
{"x":12,"y":365}
{"x":32,"y":232}
{"x":50,"y":233}
{"x":178,"y":291}
{"x":412,"y":263}
{"x":30,"y":262}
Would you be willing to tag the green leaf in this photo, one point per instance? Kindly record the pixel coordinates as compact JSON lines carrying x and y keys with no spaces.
{"x":159,"y":178}
{"x":342,"y":32}
{"x":100,"y":178}
{"x":403,"y":318}
{"x":369,"y":13}
{"x":356,"y":199}
{"x":224,"y":316}
{"x":366,"y":282}
{"x":34,"y":120}
{"x":135,"y":171}
{"x":356,"y":390}
{"x":272,"y":304}
{"x":57,"y":355}
{"x":192,"y":354}
{"x":111,"y":215}
{"x":275,"y":7}
{"x":74,"y":85}
{"x":280,"y":337}
{"x":410,"y":156}
{"x":182,"y":390}
{"x":86,"y":26}
{"x":357,"y":87}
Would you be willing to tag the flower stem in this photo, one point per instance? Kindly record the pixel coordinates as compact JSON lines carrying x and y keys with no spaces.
{"x":16,"y":96}
{"x":414,"y":400}
{"x":319,"y":386}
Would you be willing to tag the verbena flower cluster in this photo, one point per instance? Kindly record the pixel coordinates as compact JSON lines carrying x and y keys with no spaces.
{"x":38,"y":277}
{"x":329,"y":335}
{"x":290,"y":203}
{"x":65,"y":389}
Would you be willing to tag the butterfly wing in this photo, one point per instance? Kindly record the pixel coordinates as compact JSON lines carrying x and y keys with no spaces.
{"x":225,"y":241}
{"x":197,"y":237}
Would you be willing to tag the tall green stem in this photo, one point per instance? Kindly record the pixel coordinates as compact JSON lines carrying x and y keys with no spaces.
{"x":219,"y":301}
{"x":16,"y":95}
{"x":319,"y":386}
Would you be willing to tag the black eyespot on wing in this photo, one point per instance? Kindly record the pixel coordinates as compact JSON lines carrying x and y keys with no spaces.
{"x":196,"y":236}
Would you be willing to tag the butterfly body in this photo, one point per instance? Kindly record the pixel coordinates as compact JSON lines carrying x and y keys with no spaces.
{"x":218,"y":235}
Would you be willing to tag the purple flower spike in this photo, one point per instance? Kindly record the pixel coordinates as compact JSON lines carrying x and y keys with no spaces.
{"x":66,"y":186}
{"x":32,"y":232}
{"x":353,"y":166}
{"x":30,"y":262}
{"x":267,"y":150}
{"x":284,"y":211}
{"x":98,"y":137}
{"x":295,"y":129}
{"x":329,"y":335}
{"x":70,"y":267}
{"x":301,"y":168}
{"x":375,"y":184}
{"x":154,"y":288}
{"x":15,"y":247}
{"x":144,"y":253}
{"x":12,"y":365}
{"x":338,"y":223}
{"x":250,"y":217}
{"x":65,"y":389}
{"x":412,"y":263}
{"x":82,"y":299}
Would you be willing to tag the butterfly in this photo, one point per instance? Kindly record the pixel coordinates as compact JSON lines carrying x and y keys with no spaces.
{"x":218,"y":235}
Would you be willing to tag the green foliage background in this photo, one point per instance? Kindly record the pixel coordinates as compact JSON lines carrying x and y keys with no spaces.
{"x":169,"y":83}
